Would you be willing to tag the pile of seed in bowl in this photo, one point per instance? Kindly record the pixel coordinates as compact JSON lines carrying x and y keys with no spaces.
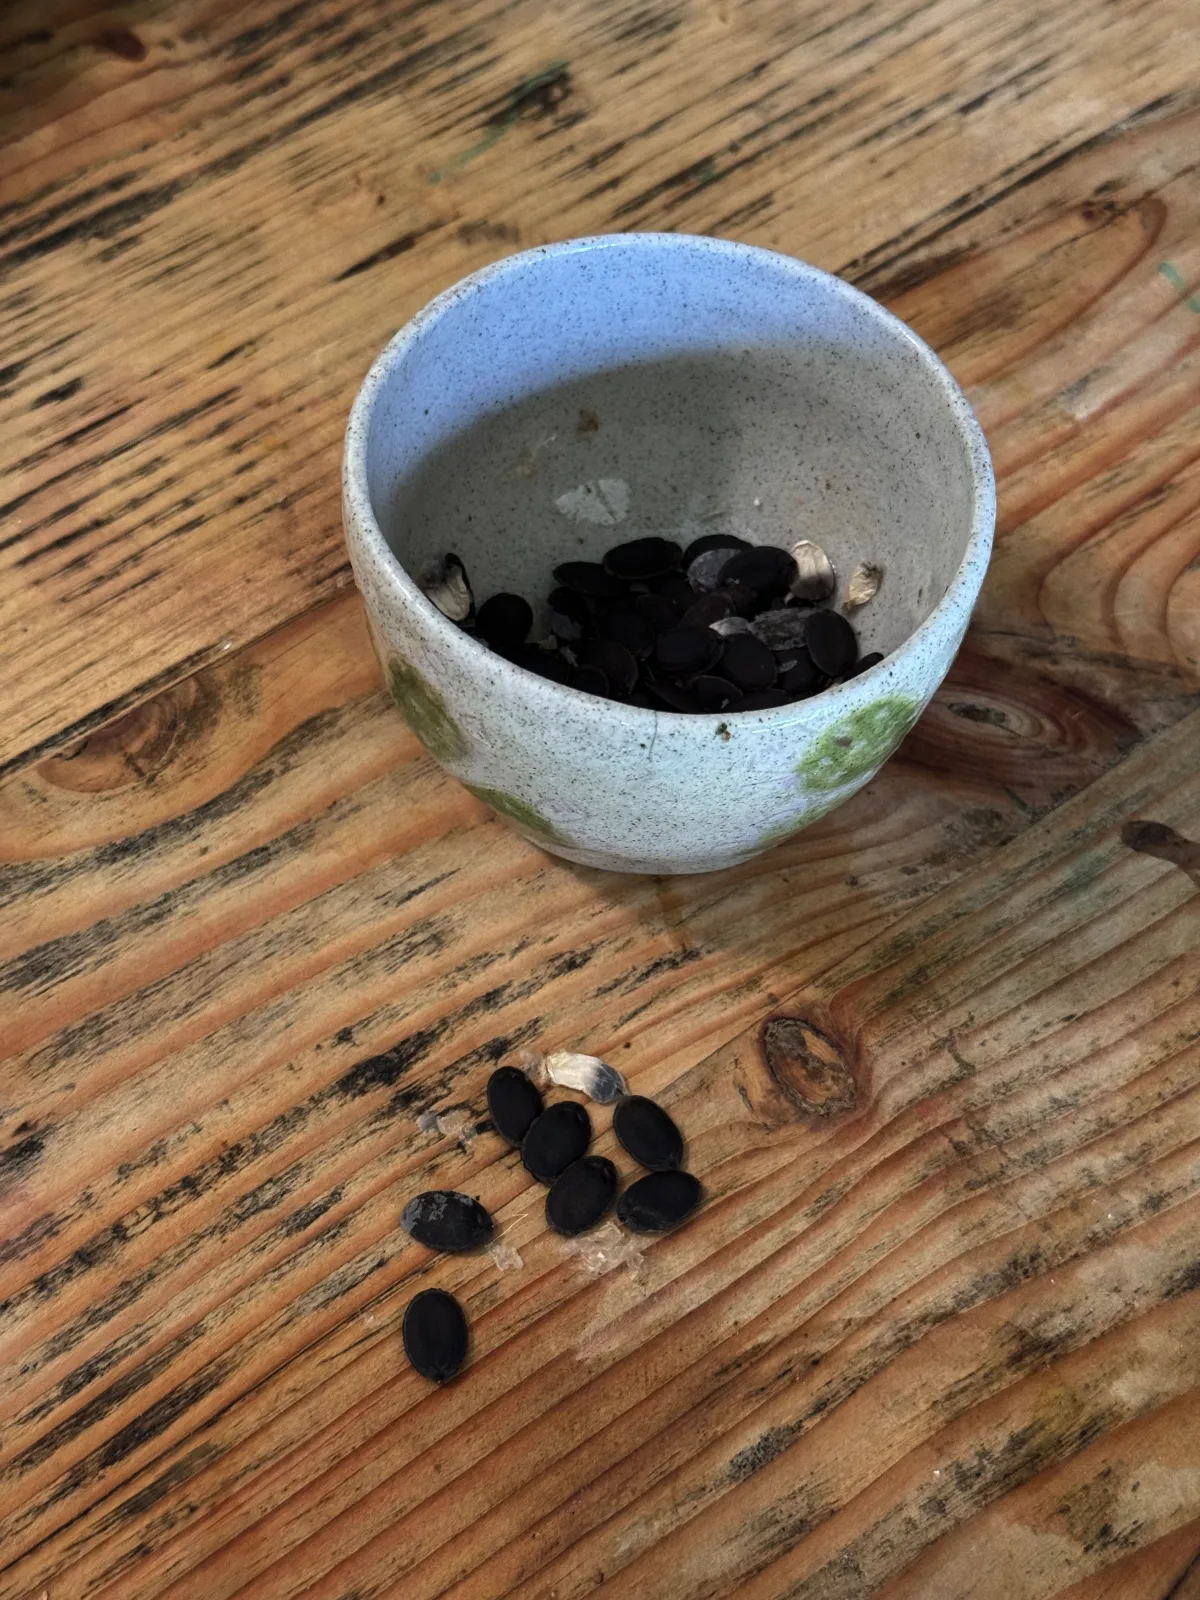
{"x":581,"y":1188}
{"x":720,"y":626}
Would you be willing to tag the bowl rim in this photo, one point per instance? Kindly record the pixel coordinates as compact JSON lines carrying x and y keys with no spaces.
{"x":964,"y":585}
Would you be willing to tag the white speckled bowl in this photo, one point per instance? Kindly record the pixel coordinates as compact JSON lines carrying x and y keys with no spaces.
{"x":575,"y":396}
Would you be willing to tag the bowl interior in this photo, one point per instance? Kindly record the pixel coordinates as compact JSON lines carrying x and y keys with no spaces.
{"x":567,"y":401}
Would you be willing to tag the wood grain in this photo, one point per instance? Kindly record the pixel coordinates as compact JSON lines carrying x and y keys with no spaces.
{"x":940,"y":1343}
{"x":213,"y":214}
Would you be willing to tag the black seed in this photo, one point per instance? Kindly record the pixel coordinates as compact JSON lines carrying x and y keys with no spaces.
{"x":581,"y":1195}
{"x":614,"y":661}
{"x":682,"y":651}
{"x":435,"y":1334}
{"x":546,"y":663}
{"x":643,"y":558}
{"x":831,"y":642}
{"x":659,"y":1201}
{"x":569,"y":604}
{"x":801,"y":677}
{"x":715,"y":694}
{"x":558,"y":1137}
{"x":763,"y":700}
{"x":672,"y":695}
{"x":443,"y":1219}
{"x":590,"y":680}
{"x":641,"y":698}
{"x":504,"y":621}
{"x":513,"y":1103}
{"x":588,"y":577}
{"x":864,"y":664}
{"x":748,"y":663}
{"x":709,"y":608}
{"x":713,"y":541}
{"x":628,"y":626}
{"x":675,"y":587}
{"x":704,"y":571}
{"x":743,"y":602}
{"x":764,"y":568}
{"x":660,"y":611}
{"x":647,"y":1133}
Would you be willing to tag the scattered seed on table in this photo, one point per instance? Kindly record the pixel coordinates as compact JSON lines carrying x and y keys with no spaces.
{"x":504,"y":621}
{"x":435,"y":1335}
{"x":815,"y":578}
{"x":648,"y":1133}
{"x":713,"y":541}
{"x":558,"y":1137}
{"x":587,"y":1074}
{"x":444,"y":581}
{"x":748,"y":663}
{"x":443,"y":1219}
{"x":513,"y":1103}
{"x":682,"y":651}
{"x":588,"y":577}
{"x":659,"y":1201}
{"x":581,"y":1195}
{"x":643,"y":558}
{"x":831,"y":642}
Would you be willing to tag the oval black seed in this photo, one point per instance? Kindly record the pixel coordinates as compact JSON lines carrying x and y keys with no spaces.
{"x":435,"y":1334}
{"x":567,"y":603}
{"x":581,"y":1195}
{"x":614,"y":661}
{"x":513,"y":1103}
{"x":715,"y":694}
{"x":709,"y":608}
{"x":763,"y":700}
{"x":443,"y":1219}
{"x":504,"y":621}
{"x":743,"y":602}
{"x":831,"y":642}
{"x":546,"y":663}
{"x":590,"y":680}
{"x":643,"y":558}
{"x":676,"y":587}
{"x":558,"y":1137}
{"x":659,"y":1201}
{"x":764,"y":568}
{"x":682,"y":651}
{"x":801,"y":677}
{"x":864,"y":664}
{"x":704,"y":571}
{"x":748,"y":663}
{"x":671,"y":695}
{"x":587,"y":577}
{"x":782,"y":629}
{"x":713,"y":541}
{"x":659,"y":610}
{"x":647,"y":1133}
{"x":629,"y":626}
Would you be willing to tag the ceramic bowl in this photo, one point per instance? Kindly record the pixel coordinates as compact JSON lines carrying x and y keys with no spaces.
{"x":579,"y":395}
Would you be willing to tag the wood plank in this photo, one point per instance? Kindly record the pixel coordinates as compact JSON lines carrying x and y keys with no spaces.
{"x":214,"y":215}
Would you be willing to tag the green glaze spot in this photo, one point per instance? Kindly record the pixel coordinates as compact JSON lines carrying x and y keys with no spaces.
{"x":859,"y":743}
{"x":425,"y":711}
{"x":784,"y":831}
{"x":517,"y":811}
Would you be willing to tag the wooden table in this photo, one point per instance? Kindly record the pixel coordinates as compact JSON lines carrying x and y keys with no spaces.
{"x":944,"y":1344}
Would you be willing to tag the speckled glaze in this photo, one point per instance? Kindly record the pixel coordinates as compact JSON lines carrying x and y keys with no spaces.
{"x":575,"y":396}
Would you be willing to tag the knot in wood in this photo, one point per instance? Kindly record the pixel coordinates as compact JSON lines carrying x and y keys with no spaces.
{"x":808,"y":1067}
